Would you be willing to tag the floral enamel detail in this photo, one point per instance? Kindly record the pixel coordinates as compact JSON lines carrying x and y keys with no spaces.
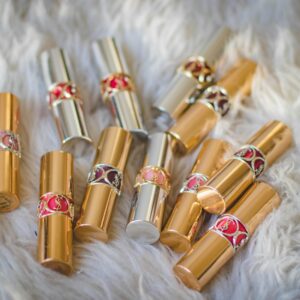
{"x":10,"y":141}
{"x":63,"y":91}
{"x":116,"y":83}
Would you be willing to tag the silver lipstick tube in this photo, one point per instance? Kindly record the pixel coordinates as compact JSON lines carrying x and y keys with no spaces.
{"x":64,"y":101}
{"x":117,"y":87}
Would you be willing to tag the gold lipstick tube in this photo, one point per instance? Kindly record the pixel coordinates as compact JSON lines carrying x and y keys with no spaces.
{"x":64,"y":101}
{"x":56,"y":211}
{"x":117,"y":87}
{"x":194,"y":125}
{"x":104,"y":184}
{"x":152,"y":188}
{"x":185,"y":219}
{"x":10,"y":152}
{"x":230,"y":232}
{"x":248,"y":163}
{"x":193,"y":75}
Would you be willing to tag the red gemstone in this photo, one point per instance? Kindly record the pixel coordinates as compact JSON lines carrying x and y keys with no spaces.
{"x":192,"y":182}
{"x":258,"y":163}
{"x":113,"y":83}
{"x":248,"y":153}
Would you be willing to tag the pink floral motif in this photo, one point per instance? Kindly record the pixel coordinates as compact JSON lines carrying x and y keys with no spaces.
{"x":10,"y":141}
{"x":63,"y":91}
{"x":116,"y":83}
{"x":193,"y":182}
{"x":232,"y":229}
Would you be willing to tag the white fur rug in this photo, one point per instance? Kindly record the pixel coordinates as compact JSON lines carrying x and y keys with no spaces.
{"x":156,"y":37}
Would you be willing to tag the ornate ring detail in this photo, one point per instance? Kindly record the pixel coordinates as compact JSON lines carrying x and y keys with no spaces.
{"x":114,"y":83}
{"x":232,"y":229}
{"x":154,"y":175}
{"x":10,"y":141}
{"x":216,"y":98}
{"x":51,"y":203}
{"x":197,"y":68}
{"x":63,"y":91}
{"x":193,"y":182}
{"x":106,"y":174}
{"x":253,"y":157}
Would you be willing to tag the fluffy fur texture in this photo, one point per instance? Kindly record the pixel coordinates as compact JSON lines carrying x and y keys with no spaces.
{"x":156,"y":36}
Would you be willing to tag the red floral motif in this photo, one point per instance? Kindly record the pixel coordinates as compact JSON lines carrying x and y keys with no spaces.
{"x":10,"y":141}
{"x":51,"y":203}
{"x":253,"y":157}
{"x":198,"y":68}
{"x":217,"y":98}
{"x":154,"y":175}
{"x":116,"y":83}
{"x":63,"y":91}
{"x":106,"y":174}
{"x":232,"y":229}
{"x":193,"y":182}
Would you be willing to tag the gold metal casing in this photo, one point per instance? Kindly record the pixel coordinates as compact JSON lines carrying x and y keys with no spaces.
{"x":146,"y":215}
{"x":227,"y":185}
{"x":99,"y":201}
{"x":124,"y":104}
{"x":55,"y":231}
{"x":185,"y":219}
{"x":180,"y":93}
{"x":195,"y":124}
{"x":9,"y":161}
{"x":212,"y":251}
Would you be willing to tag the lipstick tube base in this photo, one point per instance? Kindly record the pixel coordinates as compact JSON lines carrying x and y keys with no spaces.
{"x":143,"y":231}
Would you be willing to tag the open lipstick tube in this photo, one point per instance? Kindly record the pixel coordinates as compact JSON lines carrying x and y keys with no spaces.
{"x":64,"y":101}
{"x":104,"y":184}
{"x":229,"y":233}
{"x":56,"y":211}
{"x":117,"y":87}
{"x":10,"y":152}
{"x":185,"y":219}
{"x":195,"y":124}
{"x":152,"y":188}
{"x":246,"y":165}
{"x":195,"y":74}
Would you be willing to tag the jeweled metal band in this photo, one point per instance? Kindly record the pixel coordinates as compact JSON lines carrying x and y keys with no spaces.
{"x":114,"y":83}
{"x":196,"y":67}
{"x":9,"y":141}
{"x":51,"y":203}
{"x":154,"y":175}
{"x":253,"y":157}
{"x":106,"y":174}
{"x":216,"y":98}
{"x":193,"y":182}
{"x":232,"y":229}
{"x":63,"y":91}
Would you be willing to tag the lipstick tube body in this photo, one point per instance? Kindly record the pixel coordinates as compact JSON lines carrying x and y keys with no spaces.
{"x":185,"y":219}
{"x":117,"y":87}
{"x":10,"y":152}
{"x":56,"y":211}
{"x":64,"y":101}
{"x":152,"y":188}
{"x":247,"y":164}
{"x":104,"y":184}
{"x":230,"y":232}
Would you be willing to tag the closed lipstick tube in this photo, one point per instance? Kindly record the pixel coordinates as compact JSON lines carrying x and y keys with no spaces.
{"x":117,"y":87}
{"x":195,"y":124}
{"x":10,"y":152}
{"x":246,"y":165}
{"x":104,"y":184}
{"x":56,"y":211}
{"x":152,"y":188}
{"x":195,"y":74}
{"x":64,"y":101}
{"x":229,"y":233}
{"x":185,"y":219}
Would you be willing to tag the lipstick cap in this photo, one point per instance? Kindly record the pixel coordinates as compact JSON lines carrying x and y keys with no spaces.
{"x":247,"y":164}
{"x":104,"y":184}
{"x":194,"y":74}
{"x":56,"y":211}
{"x":117,"y":86}
{"x":10,"y":152}
{"x":64,"y":101}
{"x":152,"y":189}
{"x":230,"y":232}
{"x":185,"y":219}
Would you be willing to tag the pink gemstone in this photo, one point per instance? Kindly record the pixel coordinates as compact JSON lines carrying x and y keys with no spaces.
{"x":148,"y":174}
{"x":192,"y":182}
{"x":160,"y":179}
{"x":56,"y":92}
{"x":68,"y":89}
